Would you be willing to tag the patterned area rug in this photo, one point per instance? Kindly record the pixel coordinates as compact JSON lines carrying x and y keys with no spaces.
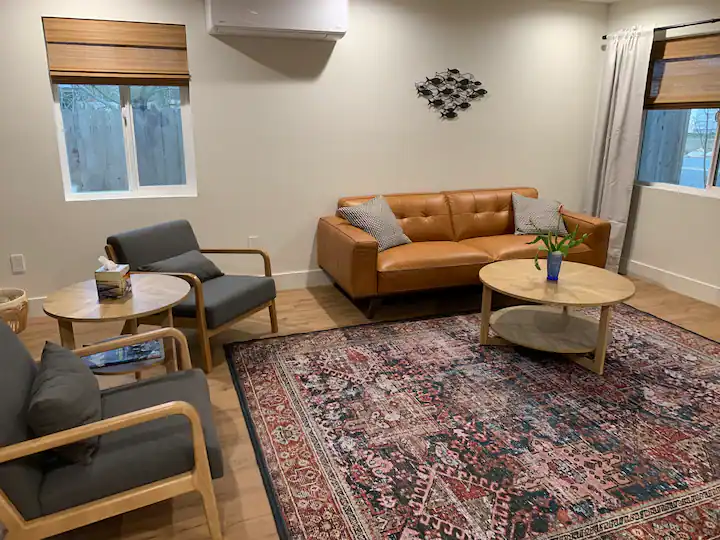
{"x":412,"y":430}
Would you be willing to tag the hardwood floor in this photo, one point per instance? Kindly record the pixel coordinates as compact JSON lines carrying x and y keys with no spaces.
{"x":245,"y":511}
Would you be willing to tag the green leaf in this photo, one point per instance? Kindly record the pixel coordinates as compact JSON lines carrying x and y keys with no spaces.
{"x":535,"y":241}
{"x":537,"y":264}
{"x":546,"y":241}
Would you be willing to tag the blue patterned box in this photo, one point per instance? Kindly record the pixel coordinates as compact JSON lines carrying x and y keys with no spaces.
{"x":113,"y":284}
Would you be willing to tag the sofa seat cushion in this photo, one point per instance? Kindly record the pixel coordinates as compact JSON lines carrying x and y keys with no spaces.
{"x":505,"y":247}
{"x":141,"y":454}
{"x":429,"y":265}
{"x":227,"y":297}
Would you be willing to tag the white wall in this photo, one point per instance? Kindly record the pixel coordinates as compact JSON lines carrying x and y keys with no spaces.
{"x":283,"y":128}
{"x":675,"y":236}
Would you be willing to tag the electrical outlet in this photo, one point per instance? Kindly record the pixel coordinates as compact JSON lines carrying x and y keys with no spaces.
{"x":253,"y":241}
{"x":17,"y":263}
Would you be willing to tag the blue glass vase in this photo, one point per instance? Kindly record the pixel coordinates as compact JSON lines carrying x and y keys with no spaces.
{"x":554,"y":261}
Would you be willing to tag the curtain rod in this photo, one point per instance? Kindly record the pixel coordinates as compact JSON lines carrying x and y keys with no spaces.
{"x":673,"y":26}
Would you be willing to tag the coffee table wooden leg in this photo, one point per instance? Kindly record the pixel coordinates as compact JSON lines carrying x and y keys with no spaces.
{"x":603,"y":340}
{"x":67,"y":336}
{"x":130,"y":327}
{"x":485,"y":315}
{"x":170,"y":353}
{"x":595,"y":361}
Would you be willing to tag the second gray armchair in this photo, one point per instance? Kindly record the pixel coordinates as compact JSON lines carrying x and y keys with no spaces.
{"x":213,"y":305}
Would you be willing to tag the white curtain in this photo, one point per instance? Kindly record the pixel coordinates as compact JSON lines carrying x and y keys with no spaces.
{"x":619,"y":128}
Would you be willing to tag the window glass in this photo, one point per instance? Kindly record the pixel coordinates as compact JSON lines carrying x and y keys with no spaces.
{"x":158,"y":135}
{"x":93,"y":127}
{"x":678,"y":146}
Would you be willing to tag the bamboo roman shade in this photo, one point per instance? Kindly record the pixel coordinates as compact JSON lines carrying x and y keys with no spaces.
{"x":685,"y":72}
{"x":82,"y":51}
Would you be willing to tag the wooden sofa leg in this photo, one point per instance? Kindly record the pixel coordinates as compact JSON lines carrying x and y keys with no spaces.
{"x":372,"y":307}
{"x":273,"y":318}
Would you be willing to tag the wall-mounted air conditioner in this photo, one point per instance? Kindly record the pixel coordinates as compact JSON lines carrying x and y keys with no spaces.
{"x":309,"y":19}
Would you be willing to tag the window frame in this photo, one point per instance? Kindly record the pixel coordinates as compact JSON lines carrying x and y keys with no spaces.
{"x":135,"y":190}
{"x":710,"y":189}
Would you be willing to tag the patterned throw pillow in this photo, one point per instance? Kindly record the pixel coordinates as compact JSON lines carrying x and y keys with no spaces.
{"x":537,"y":216}
{"x":376,"y":218}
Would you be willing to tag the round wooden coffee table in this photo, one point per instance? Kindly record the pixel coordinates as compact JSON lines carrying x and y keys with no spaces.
{"x":553,"y":326}
{"x":152,"y":294}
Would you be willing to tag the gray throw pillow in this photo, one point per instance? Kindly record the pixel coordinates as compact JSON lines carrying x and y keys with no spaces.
{"x":65,"y":394}
{"x":376,"y":218}
{"x":191,"y":262}
{"x":537,"y":216}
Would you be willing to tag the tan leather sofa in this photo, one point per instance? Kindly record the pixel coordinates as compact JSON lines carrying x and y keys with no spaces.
{"x":453,"y":233}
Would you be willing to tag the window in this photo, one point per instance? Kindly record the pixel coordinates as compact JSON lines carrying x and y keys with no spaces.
{"x":122,"y":108}
{"x":124,"y":141}
{"x":681,"y":140}
{"x":680,"y":147}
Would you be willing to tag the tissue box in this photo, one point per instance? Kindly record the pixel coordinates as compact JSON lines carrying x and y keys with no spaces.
{"x":113,"y":284}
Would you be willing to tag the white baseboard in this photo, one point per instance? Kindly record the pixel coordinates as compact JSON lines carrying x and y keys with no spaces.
{"x":299,"y":279}
{"x":675,"y":282}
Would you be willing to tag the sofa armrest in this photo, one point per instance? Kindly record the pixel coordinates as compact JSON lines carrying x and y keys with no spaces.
{"x":349,"y":255}
{"x":598,"y":231}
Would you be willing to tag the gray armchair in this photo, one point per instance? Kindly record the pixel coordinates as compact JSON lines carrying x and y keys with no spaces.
{"x":214,"y":305}
{"x":157,"y":441}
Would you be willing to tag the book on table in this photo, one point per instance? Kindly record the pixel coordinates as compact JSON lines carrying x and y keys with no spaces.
{"x":151,"y":350}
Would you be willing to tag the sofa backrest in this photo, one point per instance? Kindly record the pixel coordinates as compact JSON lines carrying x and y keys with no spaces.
{"x":484,"y":212}
{"x":20,"y":479}
{"x":155,"y":243}
{"x":423,"y":217}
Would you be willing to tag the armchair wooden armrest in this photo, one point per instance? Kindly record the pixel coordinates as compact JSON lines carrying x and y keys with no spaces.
{"x":108,"y":425}
{"x":125,"y":341}
{"x":199,"y":479}
{"x":240,"y":251}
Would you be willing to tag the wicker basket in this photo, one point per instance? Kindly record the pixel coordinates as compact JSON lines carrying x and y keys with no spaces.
{"x":14,"y":308}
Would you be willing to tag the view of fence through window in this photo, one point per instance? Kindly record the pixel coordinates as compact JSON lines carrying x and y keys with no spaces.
{"x":158,"y":135}
{"x":679,"y":147}
{"x":92,"y":121}
{"x":96,"y":136}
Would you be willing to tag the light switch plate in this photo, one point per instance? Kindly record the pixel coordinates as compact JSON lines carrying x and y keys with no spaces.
{"x":17,"y":263}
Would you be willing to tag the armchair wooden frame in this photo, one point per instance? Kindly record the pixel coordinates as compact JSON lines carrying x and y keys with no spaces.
{"x":199,"y":322}
{"x":199,"y":479}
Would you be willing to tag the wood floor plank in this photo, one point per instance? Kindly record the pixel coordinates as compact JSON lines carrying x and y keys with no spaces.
{"x":244,"y":508}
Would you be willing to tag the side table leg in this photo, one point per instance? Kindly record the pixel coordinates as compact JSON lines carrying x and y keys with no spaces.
{"x":130,"y":327}
{"x":485,"y":315}
{"x":170,"y":353}
{"x":67,"y":336}
{"x":602,"y":340}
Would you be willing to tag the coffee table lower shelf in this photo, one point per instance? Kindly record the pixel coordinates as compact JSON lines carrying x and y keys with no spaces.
{"x":556,"y":330}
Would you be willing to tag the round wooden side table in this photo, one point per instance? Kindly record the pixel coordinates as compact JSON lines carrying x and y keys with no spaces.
{"x":152,"y":295}
{"x":553,"y":327}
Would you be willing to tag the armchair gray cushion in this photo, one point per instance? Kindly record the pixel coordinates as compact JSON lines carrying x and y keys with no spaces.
{"x":20,"y":479}
{"x":227,"y":297}
{"x":142,"y":454}
{"x":155,"y":243}
{"x":192,"y":262}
